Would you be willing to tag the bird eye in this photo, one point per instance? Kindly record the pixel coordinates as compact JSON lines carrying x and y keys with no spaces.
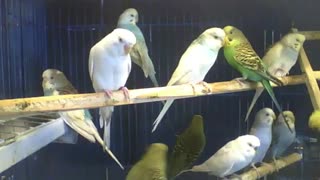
{"x":231,"y":32}
{"x":297,"y":40}
{"x":131,"y":15}
{"x":51,"y":77}
{"x":250,"y":144}
{"x":120,"y":39}
{"x":215,"y":37}
{"x":267,"y":114}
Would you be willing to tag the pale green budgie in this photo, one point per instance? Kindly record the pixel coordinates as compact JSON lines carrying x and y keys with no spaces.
{"x":153,"y":164}
{"x":282,"y":138}
{"x":189,"y":145}
{"x":241,"y":56}
{"x":232,"y":157}
{"x":55,"y":83}
{"x":195,"y":63}
{"x":139,"y":53}
{"x":279,"y":59}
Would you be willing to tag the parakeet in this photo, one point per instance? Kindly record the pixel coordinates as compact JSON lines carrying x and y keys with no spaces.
{"x":195,"y":63}
{"x":279,"y":59}
{"x":314,"y":121}
{"x":282,"y":138}
{"x":262,"y":128}
{"x":109,"y":68}
{"x":152,"y":165}
{"x":241,"y":56}
{"x":189,"y":145}
{"x":232,"y":157}
{"x":55,"y":83}
{"x":139,"y":53}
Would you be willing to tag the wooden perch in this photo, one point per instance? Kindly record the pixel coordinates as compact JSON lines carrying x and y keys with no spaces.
{"x":26,"y":106}
{"x":311,"y":82}
{"x":311,"y":35}
{"x":269,"y":168}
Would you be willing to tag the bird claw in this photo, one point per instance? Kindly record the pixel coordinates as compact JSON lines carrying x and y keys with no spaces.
{"x":240,"y":80}
{"x":205,"y":85}
{"x":275,"y":164}
{"x":108,"y":93}
{"x":125,"y":92}
{"x":256,"y":169}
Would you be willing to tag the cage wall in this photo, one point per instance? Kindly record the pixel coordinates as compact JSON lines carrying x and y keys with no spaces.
{"x":36,"y":35}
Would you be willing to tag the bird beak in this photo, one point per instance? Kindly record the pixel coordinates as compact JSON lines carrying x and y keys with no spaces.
{"x":127,"y":48}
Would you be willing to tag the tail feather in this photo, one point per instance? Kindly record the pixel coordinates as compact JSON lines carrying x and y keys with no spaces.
{"x":253,"y":102}
{"x":105,"y":115}
{"x":268,"y":87}
{"x":154,"y":80}
{"x":162,"y":113}
{"x":107,"y":134}
{"x":79,"y":126}
{"x":100,"y":141}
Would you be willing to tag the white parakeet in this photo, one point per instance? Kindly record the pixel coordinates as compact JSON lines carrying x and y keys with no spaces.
{"x":55,"y":83}
{"x":232,"y":157}
{"x":109,"y":68}
{"x":282,"y":138}
{"x":139,"y":53}
{"x":279,"y":59}
{"x":262,"y":128}
{"x":195,"y":63}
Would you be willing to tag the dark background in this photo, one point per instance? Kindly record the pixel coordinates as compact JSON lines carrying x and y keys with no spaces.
{"x":38,"y":34}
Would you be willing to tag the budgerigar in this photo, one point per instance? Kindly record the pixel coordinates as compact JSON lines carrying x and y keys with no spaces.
{"x":55,"y":83}
{"x":279,"y":59}
{"x":241,"y":56}
{"x":109,"y":68}
{"x":189,"y":145}
{"x":262,"y":128}
{"x":139,"y":53}
{"x":282,"y":138}
{"x":232,"y":157}
{"x":195,"y":63}
{"x":152,"y":166}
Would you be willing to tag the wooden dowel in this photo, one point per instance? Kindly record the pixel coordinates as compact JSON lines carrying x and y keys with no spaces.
{"x":269,"y":168}
{"x":311,"y":35}
{"x":311,"y":81}
{"x":25,"y":106}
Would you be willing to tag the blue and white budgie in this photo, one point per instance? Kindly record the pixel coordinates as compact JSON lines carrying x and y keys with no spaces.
{"x":195,"y":63}
{"x":262,"y":128}
{"x":109,"y":68}
{"x":232,"y":157}
{"x":279,"y":59}
{"x":282,"y":138}
{"x":139,"y":53}
{"x":55,"y":83}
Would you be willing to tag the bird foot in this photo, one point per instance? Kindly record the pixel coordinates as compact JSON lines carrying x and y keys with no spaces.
{"x":206,"y":86}
{"x":256,"y":169}
{"x":108,"y":93}
{"x":267,"y":164}
{"x":275,"y":164}
{"x":240,"y":80}
{"x":125,"y":92}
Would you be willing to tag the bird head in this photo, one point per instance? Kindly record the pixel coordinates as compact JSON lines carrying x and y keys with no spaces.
{"x":289,"y":118}
{"x":123,"y":41}
{"x":53,"y":79}
{"x":233,"y":36}
{"x":129,"y":16}
{"x":214,"y":38}
{"x":294,"y":41}
{"x":264,"y":118}
{"x":248,"y":145}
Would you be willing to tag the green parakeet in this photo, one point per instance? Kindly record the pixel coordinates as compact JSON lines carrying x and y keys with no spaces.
{"x":189,"y":145}
{"x":279,"y":59}
{"x":241,"y":56}
{"x":152,"y":166}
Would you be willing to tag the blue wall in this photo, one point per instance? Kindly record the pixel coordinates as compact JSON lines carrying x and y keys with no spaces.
{"x":36,"y":35}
